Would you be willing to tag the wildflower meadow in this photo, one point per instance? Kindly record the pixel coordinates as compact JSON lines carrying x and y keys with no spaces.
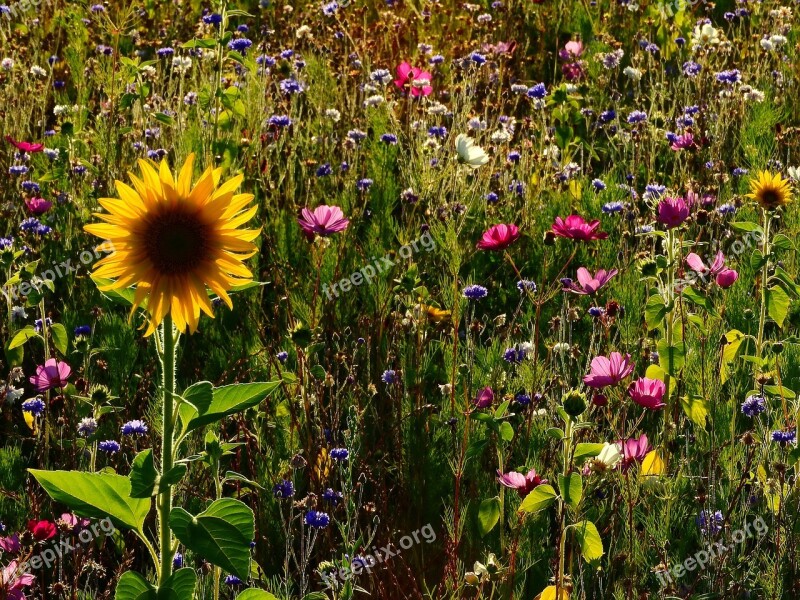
{"x":399,"y":299}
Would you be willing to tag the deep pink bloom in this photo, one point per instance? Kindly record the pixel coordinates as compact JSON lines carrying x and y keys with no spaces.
{"x":572,"y":71}
{"x":25,"y":146}
{"x":52,"y":374}
{"x":10,"y":544}
{"x":575,"y":227}
{"x":524,"y":484}
{"x":484,"y":398}
{"x":647,"y":392}
{"x":683,"y":142}
{"x":633,"y":451}
{"x":672,"y":212}
{"x":325,"y":220}
{"x":406,"y":74}
{"x":42,"y":530}
{"x":498,"y":237}
{"x":725,"y":277}
{"x":571,"y":50}
{"x":587,"y":284}
{"x":38,"y":206}
{"x":609,"y":371}
{"x":13,"y":582}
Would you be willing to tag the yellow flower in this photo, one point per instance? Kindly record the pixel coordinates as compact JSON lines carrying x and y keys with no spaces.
{"x":770,"y":190}
{"x":174,"y":241}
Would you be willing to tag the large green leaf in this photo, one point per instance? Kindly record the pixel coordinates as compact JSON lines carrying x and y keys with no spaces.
{"x":540,"y":498}
{"x":96,"y":495}
{"x":221,"y":534}
{"x":671,"y":358}
{"x":589,"y":539}
{"x":654,"y":311}
{"x":146,"y":481}
{"x":132,"y":586}
{"x":255,"y":594}
{"x":196,"y":400}
{"x":778,"y":302}
{"x":733,"y":341}
{"x":178,"y":586}
{"x":571,"y":488}
{"x":225,"y":401}
{"x":695,"y":408}
{"x":488,"y":515}
{"x":60,"y":337}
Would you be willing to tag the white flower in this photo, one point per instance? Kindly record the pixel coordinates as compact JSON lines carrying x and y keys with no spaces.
{"x":38,"y":71}
{"x":777,"y":40}
{"x":794,"y":173}
{"x":767,"y":44}
{"x":333,"y":114}
{"x":608,"y":458}
{"x":7,"y":64}
{"x":181,"y":64}
{"x":13,"y":394}
{"x":518,"y":88}
{"x":374,"y":100}
{"x":469,"y":153}
{"x":18,"y":312}
{"x":476,"y":123}
{"x":303,"y":32}
{"x":437,"y":108}
{"x":705,"y":35}
{"x":632,"y":73}
{"x":501,"y":136}
{"x":445,"y":389}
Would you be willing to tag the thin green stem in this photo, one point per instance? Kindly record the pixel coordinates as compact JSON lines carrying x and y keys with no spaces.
{"x":167,"y":452}
{"x":765,"y":249}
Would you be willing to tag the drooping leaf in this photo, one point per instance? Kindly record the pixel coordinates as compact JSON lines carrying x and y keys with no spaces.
{"x":96,"y":495}
{"x":538,"y":499}
{"x":671,"y":358}
{"x":571,"y":488}
{"x":695,"y":408}
{"x":733,"y":341}
{"x":654,"y":312}
{"x":228,"y":400}
{"x":778,"y":302}
{"x":221,"y":534}
{"x":488,"y":515}
{"x":60,"y":338}
{"x":589,"y":540}
{"x":255,"y":594}
{"x":132,"y":586}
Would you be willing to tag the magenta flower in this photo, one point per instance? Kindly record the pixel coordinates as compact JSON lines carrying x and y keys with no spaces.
{"x":725,"y":277}
{"x":25,"y":146}
{"x":498,"y":237}
{"x":683,"y":142}
{"x":12,"y":582}
{"x":672,"y":212}
{"x":484,"y":398}
{"x":10,"y":544}
{"x":587,"y":284}
{"x":647,"y":392}
{"x":572,"y":71}
{"x":325,"y":220}
{"x":575,"y":227}
{"x":633,"y":451}
{"x":609,"y":371}
{"x":406,"y":74}
{"x":524,"y":484}
{"x":52,"y":374}
{"x":38,"y":206}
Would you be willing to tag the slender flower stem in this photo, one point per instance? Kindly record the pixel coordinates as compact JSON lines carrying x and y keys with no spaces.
{"x":562,"y":510}
{"x":765,"y":249}
{"x":167,"y":456}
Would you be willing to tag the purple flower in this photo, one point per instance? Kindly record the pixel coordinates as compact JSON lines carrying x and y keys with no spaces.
{"x":109,"y":446}
{"x":317,"y":519}
{"x":484,"y":398}
{"x":135,"y":427}
{"x":672,"y":212}
{"x":324,"y":221}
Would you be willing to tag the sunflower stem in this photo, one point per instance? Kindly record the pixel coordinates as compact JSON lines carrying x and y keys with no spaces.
{"x":764,"y":276}
{"x":165,"y":498}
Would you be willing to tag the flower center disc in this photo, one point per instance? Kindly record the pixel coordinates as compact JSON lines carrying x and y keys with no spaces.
{"x":176,"y":241}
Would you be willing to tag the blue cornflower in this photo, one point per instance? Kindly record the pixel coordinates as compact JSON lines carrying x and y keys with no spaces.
{"x":364,"y":184}
{"x":87,"y":426}
{"x":334,"y":497}
{"x":437,"y":131}
{"x":754,"y":405}
{"x":526,"y":285}
{"x":612,"y":207}
{"x":317,"y":519}
{"x":436,"y":59}
{"x":324,"y":170}
{"x":110,"y":446}
{"x":478,"y":58}
{"x":782,"y":437}
{"x":356,"y":135}
{"x":607,"y":116}
{"x":514,"y":355}
{"x":17,"y":170}
{"x":730,"y":77}
{"x":135,"y":427}
{"x":291,"y":86}
{"x":212,"y":19}
{"x":522,"y":398}
{"x":710,"y":523}
{"x":389,"y":376}
{"x":538,"y":91}
{"x":492,"y":197}
{"x":280,"y":121}
{"x":726,"y":209}
{"x":596,"y":311}
{"x":167,"y":51}
{"x":340,"y":454}
{"x":282,"y":356}
{"x":265,"y":60}
{"x":514,"y":156}
{"x":233,"y":580}
{"x":37,"y":324}
{"x":637,"y":116}
{"x":83,"y":330}
{"x":35,"y":406}
{"x":240,"y":45}
{"x":6,"y":243}
{"x":283,"y":489}
{"x":598,"y":185}
{"x":739,"y":172}
{"x":691,"y":68}
{"x":389,"y":138}
{"x":330,"y":9}
{"x":287,"y":54}
{"x":177,"y":560}
{"x":31,"y":187}
{"x":475,"y":292}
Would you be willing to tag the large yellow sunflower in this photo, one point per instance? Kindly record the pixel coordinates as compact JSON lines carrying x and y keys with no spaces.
{"x":770,"y":190}
{"x":174,"y":241}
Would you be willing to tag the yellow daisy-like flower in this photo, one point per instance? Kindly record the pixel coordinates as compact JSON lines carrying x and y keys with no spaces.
{"x":770,"y":190}
{"x":174,"y":241}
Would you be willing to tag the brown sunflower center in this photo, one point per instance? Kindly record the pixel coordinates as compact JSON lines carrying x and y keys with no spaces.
{"x":770,"y":197}
{"x":176,"y":241}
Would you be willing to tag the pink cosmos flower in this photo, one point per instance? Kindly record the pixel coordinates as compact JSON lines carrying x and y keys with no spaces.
{"x":38,"y":206}
{"x":25,"y":146}
{"x":484,"y":398}
{"x":498,"y":237}
{"x":725,"y":277}
{"x":587,"y":284}
{"x":672,"y":212}
{"x":52,"y":374}
{"x":648,"y":392}
{"x":683,"y":142}
{"x":633,"y":451}
{"x":13,"y":582}
{"x":609,"y":371}
{"x":406,"y":74}
{"x":524,"y":484}
{"x":571,"y":50}
{"x":575,"y":227}
{"x":10,"y":544}
{"x":325,"y":220}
